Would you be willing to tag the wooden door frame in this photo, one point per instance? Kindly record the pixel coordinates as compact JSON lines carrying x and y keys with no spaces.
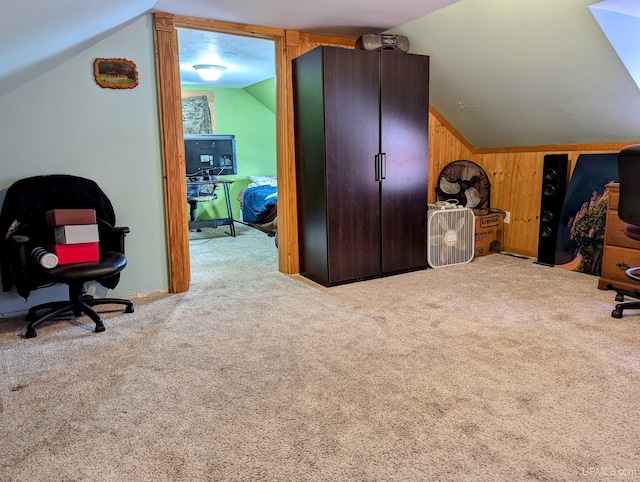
{"x":288,"y":45}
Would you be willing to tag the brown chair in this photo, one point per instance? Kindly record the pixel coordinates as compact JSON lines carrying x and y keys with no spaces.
{"x":629,"y":212}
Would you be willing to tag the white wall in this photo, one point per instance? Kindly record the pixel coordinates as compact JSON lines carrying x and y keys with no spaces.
{"x":65,"y":123}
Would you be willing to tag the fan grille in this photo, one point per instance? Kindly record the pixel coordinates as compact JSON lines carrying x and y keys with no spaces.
{"x":451,"y":234}
{"x":466,"y":182}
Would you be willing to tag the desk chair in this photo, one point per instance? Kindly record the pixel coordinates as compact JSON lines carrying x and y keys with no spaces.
{"x":23,"y":227}
{"x":201,"y":188}
{"x":198,"y":191}
{"x":629,"y":211}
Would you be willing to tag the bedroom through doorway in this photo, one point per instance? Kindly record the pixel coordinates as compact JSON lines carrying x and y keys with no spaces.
{"x":239,"y":104}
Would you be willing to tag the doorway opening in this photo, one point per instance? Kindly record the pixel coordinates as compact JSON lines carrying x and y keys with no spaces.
{"x":240,"y":103}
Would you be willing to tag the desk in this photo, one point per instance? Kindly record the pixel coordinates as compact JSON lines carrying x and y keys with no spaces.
{"x":620,"y":251}
{"x":211,"y":223}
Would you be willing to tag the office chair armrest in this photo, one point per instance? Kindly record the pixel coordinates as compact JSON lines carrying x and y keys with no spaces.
{"x":122,"y":232}
{"x":112,"y":238}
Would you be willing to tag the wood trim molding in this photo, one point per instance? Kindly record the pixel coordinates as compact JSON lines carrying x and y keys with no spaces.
{"x":317,"y":39}
{"x":163,"y":21}
{"x":228,"y":27}
{"x":173,"y":150}
{"x":175,"y":189}
{"x":611,"y":147}
{"x":286,"y":169}
{"x":288,"y":45}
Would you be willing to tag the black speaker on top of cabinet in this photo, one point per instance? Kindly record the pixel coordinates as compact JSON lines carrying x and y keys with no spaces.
{"x":554,"y":188}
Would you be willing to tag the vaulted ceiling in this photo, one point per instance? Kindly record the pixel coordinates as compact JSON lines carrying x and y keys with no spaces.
{"x":503,"y":73}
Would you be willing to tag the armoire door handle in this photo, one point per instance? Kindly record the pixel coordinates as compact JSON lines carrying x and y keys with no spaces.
{"x":383,"y":166}
{"x":378,"y":167}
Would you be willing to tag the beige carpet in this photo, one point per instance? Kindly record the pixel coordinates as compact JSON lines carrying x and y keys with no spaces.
{"x":496,"y":370}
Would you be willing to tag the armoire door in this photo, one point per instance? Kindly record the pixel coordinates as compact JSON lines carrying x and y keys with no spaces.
{"x":351,"y":109}
{"x":404,"y":131}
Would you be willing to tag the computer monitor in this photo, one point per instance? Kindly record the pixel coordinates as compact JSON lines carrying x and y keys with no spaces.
{"x":210,"y":154}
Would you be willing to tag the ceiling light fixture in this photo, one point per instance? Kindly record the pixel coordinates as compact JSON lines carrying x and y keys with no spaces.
{"x":209,"y":72}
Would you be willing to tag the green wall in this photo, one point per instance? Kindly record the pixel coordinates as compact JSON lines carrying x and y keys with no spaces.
{"x":264,"y":92}
{"x":239,"y":112}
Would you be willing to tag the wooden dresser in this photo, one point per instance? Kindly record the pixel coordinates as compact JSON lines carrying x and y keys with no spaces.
{"x":620,"y":251}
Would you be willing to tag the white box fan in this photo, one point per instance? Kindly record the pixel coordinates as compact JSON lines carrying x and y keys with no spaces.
{"x":451,"y":234}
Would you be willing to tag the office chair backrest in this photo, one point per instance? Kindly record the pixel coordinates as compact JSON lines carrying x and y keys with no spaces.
{"x":629,"y":172}
{"x":29,"y":199}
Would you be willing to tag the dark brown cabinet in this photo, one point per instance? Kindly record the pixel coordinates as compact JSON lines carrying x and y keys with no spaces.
{"x":361,"y":135}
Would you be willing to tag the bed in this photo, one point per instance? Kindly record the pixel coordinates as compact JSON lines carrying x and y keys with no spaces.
{"x":259,"y":204}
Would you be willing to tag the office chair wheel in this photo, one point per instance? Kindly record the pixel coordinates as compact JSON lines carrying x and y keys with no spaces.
{"x":129,"y":309}
{"x":617,"y":312}
{"x":619,"y":297}
{"x":30,"y":333}
{"x":99,"y":326}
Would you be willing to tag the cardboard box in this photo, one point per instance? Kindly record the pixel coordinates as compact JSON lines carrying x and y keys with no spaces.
{"x":76,"y":234}
{"x":60,"y":217}
{"x":76,"y":253}
{"x":489,"y":235}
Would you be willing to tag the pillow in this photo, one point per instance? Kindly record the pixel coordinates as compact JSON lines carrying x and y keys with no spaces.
{"x":263,"y":180}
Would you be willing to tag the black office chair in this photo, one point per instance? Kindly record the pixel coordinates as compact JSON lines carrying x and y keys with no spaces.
{"x":629,"y":211}
{"x":23,"y":227}
{"x":199,"y":189}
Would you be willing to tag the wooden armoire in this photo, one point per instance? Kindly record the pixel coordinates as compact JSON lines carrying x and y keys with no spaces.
{"x":361,"y":137}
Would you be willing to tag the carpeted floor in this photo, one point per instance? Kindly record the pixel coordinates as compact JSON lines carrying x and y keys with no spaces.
{"x":500,"y":369}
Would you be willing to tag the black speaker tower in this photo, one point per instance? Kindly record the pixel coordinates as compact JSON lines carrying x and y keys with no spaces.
{"x":554,"y":188}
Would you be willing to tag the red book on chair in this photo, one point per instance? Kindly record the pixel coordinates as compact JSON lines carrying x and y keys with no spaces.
{"x":76,"y":253}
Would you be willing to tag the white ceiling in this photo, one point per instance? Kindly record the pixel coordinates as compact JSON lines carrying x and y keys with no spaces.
{"x":37,"y":35}
{"x":247,"y":60}
{"x":503,"y":72}
{"x":337,"y":17}
{"x":526,"y":73}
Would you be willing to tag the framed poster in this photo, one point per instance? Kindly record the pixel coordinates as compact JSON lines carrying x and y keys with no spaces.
{"x":581,"y":232}
{"x":115,"y":73}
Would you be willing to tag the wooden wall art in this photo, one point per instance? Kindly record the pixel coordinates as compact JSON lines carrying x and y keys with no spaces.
{"x":115,"y":73}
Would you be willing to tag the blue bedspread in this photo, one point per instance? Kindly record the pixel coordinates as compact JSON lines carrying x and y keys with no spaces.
{"x":257,"y":202}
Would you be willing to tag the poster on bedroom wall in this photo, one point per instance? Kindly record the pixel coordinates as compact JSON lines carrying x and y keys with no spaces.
{"x":581,"y":233}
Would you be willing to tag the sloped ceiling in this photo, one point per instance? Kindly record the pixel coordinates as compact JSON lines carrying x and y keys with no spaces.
{"x":525,"y":73}
{"x":503,"y":73}
{"x":348,"y":18}
{"x":37,"y":35}
{"x":620,"y":22}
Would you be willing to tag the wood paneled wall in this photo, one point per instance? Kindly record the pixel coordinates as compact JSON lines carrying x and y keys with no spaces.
{"x":445,"y":145}
{"x":515,"y":174}
{"x":516,"y":186}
